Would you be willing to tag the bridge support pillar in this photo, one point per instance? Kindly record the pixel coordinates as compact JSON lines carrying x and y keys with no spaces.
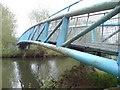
{"x":63,"y":31}
{"x":45,"y":32}
{"x":23,"y":46}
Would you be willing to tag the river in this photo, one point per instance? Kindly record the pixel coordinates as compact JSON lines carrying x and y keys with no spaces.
{"x":28,"y":73}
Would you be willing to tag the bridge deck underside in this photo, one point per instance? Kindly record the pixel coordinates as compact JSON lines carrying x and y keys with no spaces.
{"x":110,"y":49}
{"x":93,"y":47}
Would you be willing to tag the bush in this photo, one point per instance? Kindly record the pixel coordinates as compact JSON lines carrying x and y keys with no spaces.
{"x":84,"y":76}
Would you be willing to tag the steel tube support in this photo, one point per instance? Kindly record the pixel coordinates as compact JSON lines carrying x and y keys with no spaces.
{"x":40,"y":32}
{"x":89,"y":9}
{"x":63,"y":31}
{"x":108,"y":24}
{"x":30,"y":36}
{"x":37,"y":32}
{"x":45,"y":32}
{"x":118,"y":61}
{"x":107,"y":65}
{"x":53,"y":31}
{"x":97,"y":23}
{"x":65,"y":8}
{"x":83,"y":10}
{"x":111,"y":35}
{"x":93,"y":36}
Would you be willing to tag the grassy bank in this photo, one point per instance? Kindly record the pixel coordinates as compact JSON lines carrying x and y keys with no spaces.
{"x":33,"y":52}
{"x":83,"y":76}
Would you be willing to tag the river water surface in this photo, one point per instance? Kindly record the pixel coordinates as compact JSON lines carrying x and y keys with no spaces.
{"x":17,"y":73}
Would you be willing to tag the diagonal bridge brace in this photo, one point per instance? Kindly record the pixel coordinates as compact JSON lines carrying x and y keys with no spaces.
{"x":111,"y":35}
{"x":114,"y":12}
{"x":107,"y":65}
{"x":53,"y":31}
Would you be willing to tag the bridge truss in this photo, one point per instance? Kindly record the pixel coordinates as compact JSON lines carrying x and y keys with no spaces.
{"x":94,"y":28}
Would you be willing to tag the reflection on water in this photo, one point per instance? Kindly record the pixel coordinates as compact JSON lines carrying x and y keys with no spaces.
{"x":15,"y":81}
{"x":34,"y":68}
{"x":53,"y":68}
{"x":28,"y":73}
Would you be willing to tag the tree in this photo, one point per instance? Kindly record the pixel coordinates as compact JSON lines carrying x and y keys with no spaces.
{"x":8,"y":27}
{"x":37,"y":15}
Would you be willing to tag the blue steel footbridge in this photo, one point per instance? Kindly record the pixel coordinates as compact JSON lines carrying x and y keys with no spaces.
{"x":76,"y":33}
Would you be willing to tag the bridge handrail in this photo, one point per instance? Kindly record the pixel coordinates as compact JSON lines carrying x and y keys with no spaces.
{"x":85,"y":10}
{"x":38,"y":34}
{"x":68,"y":7}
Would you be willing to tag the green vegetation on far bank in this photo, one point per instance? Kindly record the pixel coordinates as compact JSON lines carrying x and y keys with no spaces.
{"x":8,"y":41}
{"x":34,"y":51}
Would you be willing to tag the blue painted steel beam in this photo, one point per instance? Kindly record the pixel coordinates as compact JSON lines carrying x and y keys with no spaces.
{"x":24,"y":37}
{"x":35,"y":30}
{"x":53,"y":31}
{"x":107,"y":24}
{"x":97,"y":23}
{"x":81,"y":26}
{"x":68,"y":7}
{"x":93,"y":36}
{"x":118,"y":62}
{"x":63,"y":32}
{"x":104,"y":64}
{"x":45,"y":32}
{"x":37,"y":33}
{"x":31,"y":33}
{"x":40,"y":32}
{"x":111,"y":35}
{"x":89,"y":9}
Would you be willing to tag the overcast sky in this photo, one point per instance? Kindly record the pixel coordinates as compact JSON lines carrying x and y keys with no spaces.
{"x":21,"y":8}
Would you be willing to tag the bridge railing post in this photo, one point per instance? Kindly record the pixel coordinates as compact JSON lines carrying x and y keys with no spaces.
{"x":55,"y":29}
{"x":39,"y":33}
{"x":45,"y":32}
{"x":112,"y":13}
{"x":31,"y":33}
{"x":63,"y":31}
{"x":93,"y":36}
{"x":36,"y":33}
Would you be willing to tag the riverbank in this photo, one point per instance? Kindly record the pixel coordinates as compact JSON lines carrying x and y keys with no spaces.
{"x":34,"y":51}
{"x":83,"y":76}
